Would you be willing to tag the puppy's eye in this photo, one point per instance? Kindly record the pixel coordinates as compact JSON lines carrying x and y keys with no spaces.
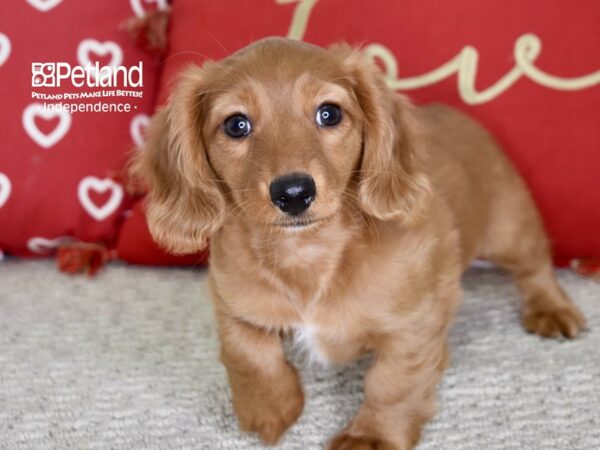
{"x":328,"y":115}
{"x":237,"y":126}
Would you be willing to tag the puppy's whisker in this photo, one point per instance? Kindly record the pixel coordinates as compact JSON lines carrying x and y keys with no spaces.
{"x":235,"y":191}
{"x":238,"y":208}
{"x":367,"y":220}
{"x":202,"y":56}
{"x":373,"y":173}
{"x":210,"y":91}
{"x":332,"y":80}
{"x":255,"y":163}
{"x":215,"y":180}
{"x":214,"y":38}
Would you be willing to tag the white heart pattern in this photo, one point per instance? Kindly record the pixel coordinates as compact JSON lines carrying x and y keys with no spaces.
{"x":137,"y":128}
{"x":140,"y":11}
{"x":5,"y":188}
{"x":45,"y":246}
{"x":99,"y":185}
{"x":88,"y":46}
{"x":5,"y":48}
{"x":45,"y":140}
{"x":44,"y":5}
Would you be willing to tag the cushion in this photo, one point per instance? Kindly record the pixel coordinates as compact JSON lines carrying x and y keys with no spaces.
{"x":527,"y":70}
{"x":60,"y":170}
{"x":135,"y":244}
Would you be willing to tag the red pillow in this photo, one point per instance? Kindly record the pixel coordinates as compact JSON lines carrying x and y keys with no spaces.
{"x":59,"y":170}
{"x":546,"y":119}
{"x":135,"y":244}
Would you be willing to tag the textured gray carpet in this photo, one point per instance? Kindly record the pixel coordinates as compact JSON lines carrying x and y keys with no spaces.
{"x":129,"y":361}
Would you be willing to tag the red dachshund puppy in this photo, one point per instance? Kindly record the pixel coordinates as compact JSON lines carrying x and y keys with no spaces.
{"x":338,"y":210}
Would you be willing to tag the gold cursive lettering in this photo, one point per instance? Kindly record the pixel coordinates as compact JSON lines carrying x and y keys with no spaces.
{"x":526,"y":50}
{"x":464,"y":64}
{"x":300,"y":17}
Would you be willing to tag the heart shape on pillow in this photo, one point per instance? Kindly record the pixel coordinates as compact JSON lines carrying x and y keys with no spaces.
{"x":5,"y":48}
{"x":45,"y":140}
{"x":90,"y":183}
{"x":45,"y":246}
{"x":88,"y":46}
{"x":44,"y":5}
{"x":138,"y":127}
{"x":5,"y":188}
{"x":140,"y":11}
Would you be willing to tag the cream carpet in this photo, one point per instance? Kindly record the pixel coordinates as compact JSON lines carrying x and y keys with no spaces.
{"x":128,"y":360}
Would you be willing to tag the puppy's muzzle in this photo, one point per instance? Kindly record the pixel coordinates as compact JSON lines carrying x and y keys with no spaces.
{"x":293,"y":193}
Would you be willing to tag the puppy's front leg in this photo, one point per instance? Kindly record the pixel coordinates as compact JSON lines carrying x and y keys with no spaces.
{"x":399,"y":396}
{"x":267,"y":396}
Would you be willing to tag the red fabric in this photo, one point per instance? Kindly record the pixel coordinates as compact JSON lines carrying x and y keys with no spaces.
{"x":552,"y":136}
{"x":56,"y":171}
{"x":150,"y":32}
{"x":135,"y":244}
{"x":80,"y":257}
{"x":587,"y":267}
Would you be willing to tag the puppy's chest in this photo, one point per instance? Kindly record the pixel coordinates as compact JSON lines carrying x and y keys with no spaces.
{"x":329,"y":330}
{"x":329,"y":341}
{"x":306,"y":341}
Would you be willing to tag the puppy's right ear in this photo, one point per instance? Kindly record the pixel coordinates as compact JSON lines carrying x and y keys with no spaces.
{"x":184,"y":204}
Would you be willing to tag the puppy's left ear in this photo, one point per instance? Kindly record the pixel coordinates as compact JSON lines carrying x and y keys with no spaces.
{"x":391,"y":184}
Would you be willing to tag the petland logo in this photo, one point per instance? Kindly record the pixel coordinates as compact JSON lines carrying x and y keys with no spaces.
{"x":54,"y":73}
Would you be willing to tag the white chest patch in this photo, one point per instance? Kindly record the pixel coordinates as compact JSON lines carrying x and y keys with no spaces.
{"x":306,"y":343}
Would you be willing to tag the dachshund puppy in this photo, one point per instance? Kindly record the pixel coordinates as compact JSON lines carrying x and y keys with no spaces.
{"x":338,"y":211}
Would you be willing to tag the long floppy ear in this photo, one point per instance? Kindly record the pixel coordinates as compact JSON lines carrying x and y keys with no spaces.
{"x":184,"y":204}
{"x":391,"y":184}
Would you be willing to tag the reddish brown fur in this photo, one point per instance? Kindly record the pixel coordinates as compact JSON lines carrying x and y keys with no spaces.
{"x":406,"y":197}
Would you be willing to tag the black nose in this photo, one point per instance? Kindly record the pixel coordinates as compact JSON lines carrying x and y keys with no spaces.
{"x":293,"y":193}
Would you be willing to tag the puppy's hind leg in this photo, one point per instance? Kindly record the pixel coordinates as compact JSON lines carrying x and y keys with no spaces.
{"x":516,"y":241}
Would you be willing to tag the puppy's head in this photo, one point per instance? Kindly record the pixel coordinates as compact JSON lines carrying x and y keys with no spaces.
{"x":282,"y":134}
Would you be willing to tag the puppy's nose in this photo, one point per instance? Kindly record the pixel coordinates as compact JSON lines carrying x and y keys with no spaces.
{"x":293,"y":193}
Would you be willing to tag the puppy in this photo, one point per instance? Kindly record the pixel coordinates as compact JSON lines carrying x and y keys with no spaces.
{"x":337,"y":210}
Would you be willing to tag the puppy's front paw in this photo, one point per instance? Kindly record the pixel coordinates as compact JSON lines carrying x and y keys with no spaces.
{"x":345,"y":441}
{"x":268,"y":406}
{"x":564,"y":321}
{"x":271,"y":420}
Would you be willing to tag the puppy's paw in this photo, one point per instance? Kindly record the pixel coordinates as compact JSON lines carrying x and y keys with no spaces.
{"x":271,"y":417}
{"x":344,"y":441}
{"x":565,"y":321}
